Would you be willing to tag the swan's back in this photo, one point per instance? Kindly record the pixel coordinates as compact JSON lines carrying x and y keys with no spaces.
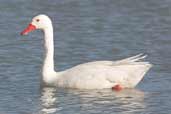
{"x":105,"y":74}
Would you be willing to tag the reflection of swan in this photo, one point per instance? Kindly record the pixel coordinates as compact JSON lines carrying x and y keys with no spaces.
{"x":125,"y":73}
{"x":131,"y":100}
{"x":128,"y":100}
{"x":48,"y":100}
{"x":83,"y":101}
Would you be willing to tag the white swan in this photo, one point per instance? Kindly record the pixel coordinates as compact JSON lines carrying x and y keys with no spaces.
{"x":117,"y":75}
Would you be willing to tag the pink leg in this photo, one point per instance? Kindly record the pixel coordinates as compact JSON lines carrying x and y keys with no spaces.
{"x":117,"y":87}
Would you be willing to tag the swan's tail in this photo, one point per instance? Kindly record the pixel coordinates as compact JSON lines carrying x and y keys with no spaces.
{"x":135,"y":67}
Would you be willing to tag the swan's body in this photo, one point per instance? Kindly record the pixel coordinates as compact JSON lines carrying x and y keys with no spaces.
{"x":126,"y":73}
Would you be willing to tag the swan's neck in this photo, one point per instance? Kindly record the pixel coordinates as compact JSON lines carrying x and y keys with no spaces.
{"x":48,"y":65}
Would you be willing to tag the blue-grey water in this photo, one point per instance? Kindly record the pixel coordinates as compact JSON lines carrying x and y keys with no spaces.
{"x":85,"y":30}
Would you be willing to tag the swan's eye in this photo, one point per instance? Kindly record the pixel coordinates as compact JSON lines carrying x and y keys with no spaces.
{"x":37,"y":20}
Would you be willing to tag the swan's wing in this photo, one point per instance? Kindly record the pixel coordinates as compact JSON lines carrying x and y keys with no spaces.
{"x":127,"y":72}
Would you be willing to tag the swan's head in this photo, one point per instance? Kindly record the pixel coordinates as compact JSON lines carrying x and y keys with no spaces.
{"x":38,"y":22}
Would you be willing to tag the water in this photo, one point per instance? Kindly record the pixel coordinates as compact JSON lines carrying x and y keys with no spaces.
{"x":85,"y":31}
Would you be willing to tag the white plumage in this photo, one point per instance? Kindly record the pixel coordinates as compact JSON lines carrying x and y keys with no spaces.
{"x":126,"y":73}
